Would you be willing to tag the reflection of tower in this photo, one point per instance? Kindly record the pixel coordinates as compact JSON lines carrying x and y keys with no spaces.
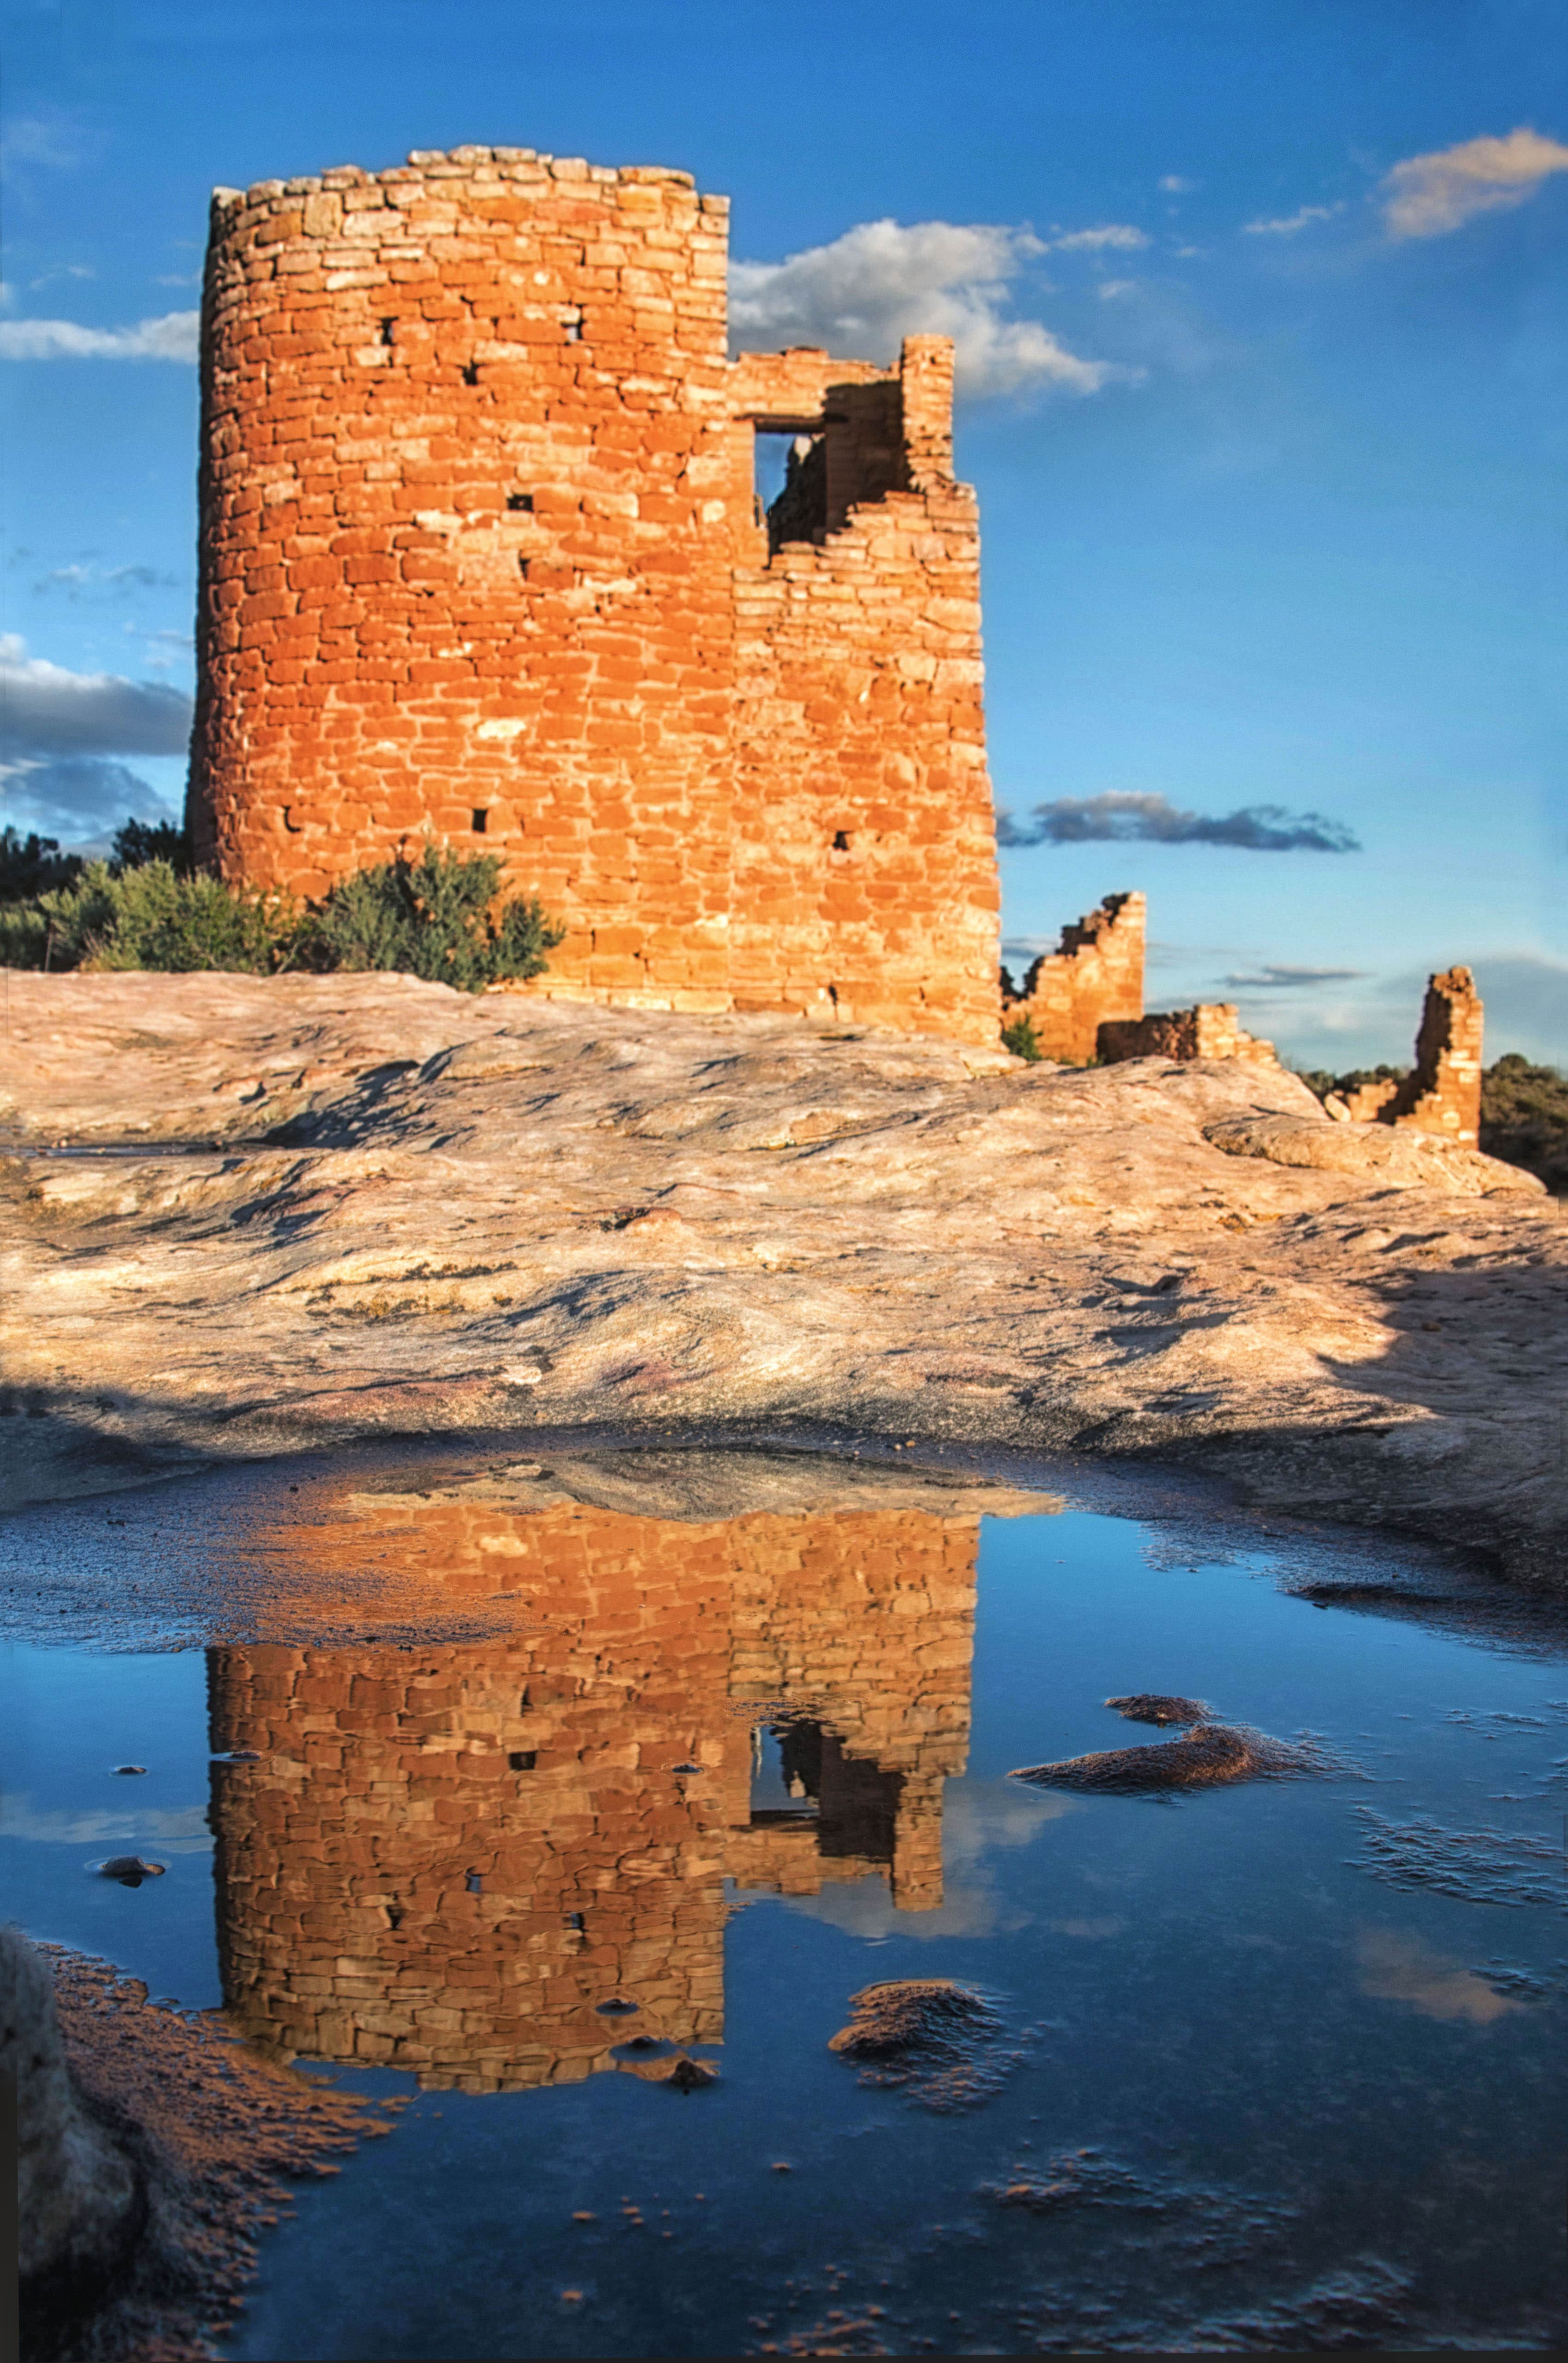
{"x":451,"y":1859}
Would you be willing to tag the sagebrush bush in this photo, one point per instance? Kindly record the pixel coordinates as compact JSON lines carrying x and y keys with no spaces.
{"x":153,"y":918}
{"x":147,"y":907}
{"x":433,"y":918}
{"x":1020,"y":1038}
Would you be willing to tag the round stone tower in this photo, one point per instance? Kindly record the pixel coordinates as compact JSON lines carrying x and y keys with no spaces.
{"x":482,"y":558}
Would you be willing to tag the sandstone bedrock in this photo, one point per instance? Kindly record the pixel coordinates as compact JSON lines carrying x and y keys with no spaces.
{"x":419,"y":1211}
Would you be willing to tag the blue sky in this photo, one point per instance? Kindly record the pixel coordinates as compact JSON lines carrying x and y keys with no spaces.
{"x":1262,"y":355}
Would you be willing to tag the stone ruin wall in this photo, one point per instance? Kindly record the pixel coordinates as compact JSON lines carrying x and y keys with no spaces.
{"x":1095,"y":976}
{"x":1209,"y":1029}
{"x":1442,"y":1091}
{"x":482,"y":555}
{"x":348,"y":1924}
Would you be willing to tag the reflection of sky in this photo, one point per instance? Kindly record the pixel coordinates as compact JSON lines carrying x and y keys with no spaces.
{"x":980,"y":1819}
{"x":180,"y":1832}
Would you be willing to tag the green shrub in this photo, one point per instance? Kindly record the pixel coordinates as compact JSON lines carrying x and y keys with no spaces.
{"x":1524,"y":1118}
{"x":147,"y":908}
{"x":138,"y":842}
{"x":33,"y":865}
{"x":432,"y":918}
{"x":1020,"y":1038}
{"x":151,"y":917}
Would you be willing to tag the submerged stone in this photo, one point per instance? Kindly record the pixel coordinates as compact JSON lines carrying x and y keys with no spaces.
{"x":1152,"y":1706}
{"x":1202,"y":1758}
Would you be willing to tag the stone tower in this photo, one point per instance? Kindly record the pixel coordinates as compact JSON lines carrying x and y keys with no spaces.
{"x":482,"y":556}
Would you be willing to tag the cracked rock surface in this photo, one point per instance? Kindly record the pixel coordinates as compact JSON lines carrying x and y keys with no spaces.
{"x":359,"y":1206}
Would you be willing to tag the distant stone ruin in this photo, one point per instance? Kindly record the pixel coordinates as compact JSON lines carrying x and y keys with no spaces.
{"x":483,"y":555}
{"x":1094,"y":978}
{"x":1209,"y":1029}
{"x":1442,"y":1091}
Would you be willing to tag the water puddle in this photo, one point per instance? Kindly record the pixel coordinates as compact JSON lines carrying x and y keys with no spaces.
{"x":653,"y":1824}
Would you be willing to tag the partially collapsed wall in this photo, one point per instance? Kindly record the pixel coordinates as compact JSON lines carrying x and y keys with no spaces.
{"x":1095,"y":977}
{"x":482,"y":556}
{"x":1442,"y":1091}
{"x":1210,"y":1029}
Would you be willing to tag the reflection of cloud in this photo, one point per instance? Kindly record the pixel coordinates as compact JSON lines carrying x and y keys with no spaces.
{"x":882,"y":281}
{"x":1087,"y":1927}
{"x":1393,"y":1966}
{"x":181,"y":1830}
{"x":978,"y":1816}
{"x":1426,"y":196}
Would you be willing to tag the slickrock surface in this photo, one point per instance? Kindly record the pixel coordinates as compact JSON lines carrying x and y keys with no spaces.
{"x":425,"y":1212}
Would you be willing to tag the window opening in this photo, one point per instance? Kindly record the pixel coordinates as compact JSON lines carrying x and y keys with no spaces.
{"x":791,"y":486}
{"x":386,"y":331}
{"x":841,"y":841}
{"x":524,"y":501}
{"x":572,"y":322}
{"x":470,"y":372}
{"x":523,"y":1760}
{"x":479,"y":820}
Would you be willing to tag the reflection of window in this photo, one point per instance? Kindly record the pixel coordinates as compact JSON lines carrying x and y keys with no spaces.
{"x":799,"y":1770}
{"x":779,"y":1783}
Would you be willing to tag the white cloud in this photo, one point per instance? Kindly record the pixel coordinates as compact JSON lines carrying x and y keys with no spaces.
{"x":1428,"y":195}
{"x":77,"y":798}
{"x":1174,"y":186}
{"x":1289,"y":225}
{"x":1109,"y":288}
{"x":53,"y":140}
{"x":173,"y":338}
{"x":51,"y":711}
{"x":881,"y":282}
{"x":1121,"y":235}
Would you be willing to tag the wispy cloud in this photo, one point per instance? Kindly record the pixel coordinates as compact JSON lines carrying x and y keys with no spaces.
{"x":1119,"y":235}
{"x":1291,"y":225}
{"x":882,"y":281}
{"x":1174,"y":185}
{"x":1111,"y":288}
{"x":173,"y":338}
{"x":1122,"y":816}
{"x":54,"y":141}
{"x":1426,"y":196}
{"x":80,"y":581}
{"x":1279,"y":976}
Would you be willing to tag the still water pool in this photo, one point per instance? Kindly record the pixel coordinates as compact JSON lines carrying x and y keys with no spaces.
{"x":511,"y":1785}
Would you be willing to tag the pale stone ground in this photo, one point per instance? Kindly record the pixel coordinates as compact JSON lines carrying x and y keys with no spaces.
{"x":499,"y":1212}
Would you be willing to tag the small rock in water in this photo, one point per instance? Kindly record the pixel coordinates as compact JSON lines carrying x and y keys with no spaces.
{"x":129,"y":1767}
{"x":1208,"y":1754}
{"x":130,"y":1870}
{"x":691,"y":2076}
{"x":931,"y":2033}
{"x":1152,"y":1706}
